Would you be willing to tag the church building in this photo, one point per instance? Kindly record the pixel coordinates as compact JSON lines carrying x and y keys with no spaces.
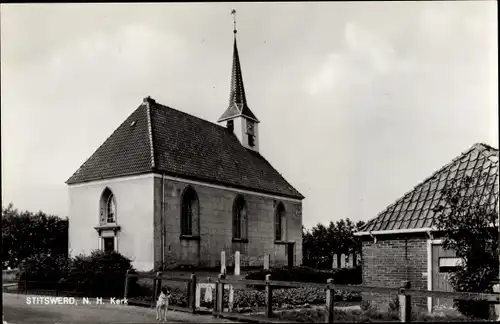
{"x":169,"y":189}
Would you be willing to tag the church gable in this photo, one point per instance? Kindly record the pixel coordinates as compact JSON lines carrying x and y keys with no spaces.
{"x":127,"y":151}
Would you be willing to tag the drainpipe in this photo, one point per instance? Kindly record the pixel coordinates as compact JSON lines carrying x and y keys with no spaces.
{"x":162,"y":224}
{"x":496,"y":288}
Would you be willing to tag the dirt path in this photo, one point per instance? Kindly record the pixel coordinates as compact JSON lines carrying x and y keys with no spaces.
{"x":16,"y":311}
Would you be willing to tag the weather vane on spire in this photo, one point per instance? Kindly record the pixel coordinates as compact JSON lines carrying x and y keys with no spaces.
{"x":233,"y":12}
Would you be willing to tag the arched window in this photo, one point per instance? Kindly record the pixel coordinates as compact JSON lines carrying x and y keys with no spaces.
{"x":279,"y":222}
{"x":189,"y":212}
{"x":240,"y":218}
{"x":108,"y":207}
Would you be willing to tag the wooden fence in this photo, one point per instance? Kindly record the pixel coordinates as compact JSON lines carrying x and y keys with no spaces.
{"x":157,"y":279}
{"x":404,"y":295}
{"x":404,"y":292}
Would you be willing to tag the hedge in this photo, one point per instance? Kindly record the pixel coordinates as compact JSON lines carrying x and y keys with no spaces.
{"x":344,"y":276}
{"x":100,"y":274}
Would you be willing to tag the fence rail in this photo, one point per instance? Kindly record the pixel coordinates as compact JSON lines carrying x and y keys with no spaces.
{"x":158,"y":278}
{"x":404,"y":293}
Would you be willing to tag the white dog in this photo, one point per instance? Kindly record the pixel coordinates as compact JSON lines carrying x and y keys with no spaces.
{"x":162,"y":304}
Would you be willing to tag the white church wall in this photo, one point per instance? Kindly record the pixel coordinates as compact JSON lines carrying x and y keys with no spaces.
{"x":134,"y":209}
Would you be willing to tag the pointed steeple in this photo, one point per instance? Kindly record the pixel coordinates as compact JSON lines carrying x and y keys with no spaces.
{"x":238,"y":105}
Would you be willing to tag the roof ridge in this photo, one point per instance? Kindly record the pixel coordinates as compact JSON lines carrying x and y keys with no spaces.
{"x":421,"y":183}
{"x":150,"y":134}
{"x":104,"y":142}
{"x":191,"y":115}
{"x":486,"y":146}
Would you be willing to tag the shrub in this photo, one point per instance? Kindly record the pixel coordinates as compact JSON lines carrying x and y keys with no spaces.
{"x":464,"y":216}
{"x":100,"y":274}
{"x":42,"y":271}
{"x":282,"y":298}
{"x":394,"y":305}
{"x":473,"y":279}
{"x":366,"y":305}
{"x":343,"y":276}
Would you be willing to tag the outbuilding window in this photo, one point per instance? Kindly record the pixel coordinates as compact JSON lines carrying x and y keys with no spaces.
{"x":449,"y":264}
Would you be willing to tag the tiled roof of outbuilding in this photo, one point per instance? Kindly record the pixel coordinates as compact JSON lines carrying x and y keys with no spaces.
{"x":415,"y":209}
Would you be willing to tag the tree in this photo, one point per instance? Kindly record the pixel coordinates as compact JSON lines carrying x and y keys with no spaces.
{"x":467,"y":218}
{"x":321,"y":243}
{"x":25,"y":234}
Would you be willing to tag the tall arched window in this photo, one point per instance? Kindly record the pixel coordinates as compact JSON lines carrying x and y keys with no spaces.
{"x":240,"y":220}
{"x":108,"y":207}
{"x":279,"y":218}
{"x":108,"y":228}
{"x":189,"y":212}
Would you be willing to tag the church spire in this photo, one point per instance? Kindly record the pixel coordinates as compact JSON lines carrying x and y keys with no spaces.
{"x":238,"y":105}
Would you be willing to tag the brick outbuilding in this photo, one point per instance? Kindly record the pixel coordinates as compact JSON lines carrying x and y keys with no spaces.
{"x":168,"y":188}
{"x":402,"y":243}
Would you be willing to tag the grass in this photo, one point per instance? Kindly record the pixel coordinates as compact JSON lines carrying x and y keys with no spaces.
{"x":370,"y":315}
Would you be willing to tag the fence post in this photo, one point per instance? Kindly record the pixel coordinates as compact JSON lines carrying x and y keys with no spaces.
{"x":220,"y":300}
{"x":496,"y":288}
{"x":158,"y":284}
{"x":404,"y":302}
{"x":216,"y":299}
{"x":329,"y":301}
{"x":193,"y":293}
{"x":269,"y":297}
{"x":125,"y":293}
{"x":237,"y":261}
{"x":155,"y":289}
{"x":267,"y":261}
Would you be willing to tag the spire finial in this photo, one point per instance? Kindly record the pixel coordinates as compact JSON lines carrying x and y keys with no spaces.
{"x":233,"y":12}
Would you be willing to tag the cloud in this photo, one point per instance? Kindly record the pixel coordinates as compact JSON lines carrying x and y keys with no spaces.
{"x":85,"y":81}
{"x":134,"y":49}
{"x":364,"y":58}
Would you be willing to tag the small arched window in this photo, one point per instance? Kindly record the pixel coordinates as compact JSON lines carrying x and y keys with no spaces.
{"x":240,"y":219}
{"x":189,"y":212}
{"x":108,"y":207}
{"x":279,"y":222}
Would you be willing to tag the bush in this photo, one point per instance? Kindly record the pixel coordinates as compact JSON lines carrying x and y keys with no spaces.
{"x":474,"y":280}
{"x":366,"y":305}
{"x":343,"y":276}
{"x":282,"y":298}
{"x":42,"y":271}
{"x":100,"y":274}
{"x":394,"y":305}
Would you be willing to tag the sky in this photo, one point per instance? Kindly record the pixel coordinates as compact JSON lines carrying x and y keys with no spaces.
{"x":358,"y":101}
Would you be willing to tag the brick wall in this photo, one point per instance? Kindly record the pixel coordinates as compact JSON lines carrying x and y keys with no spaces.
{"x":394,"y":259}
{"x":215,"y":227}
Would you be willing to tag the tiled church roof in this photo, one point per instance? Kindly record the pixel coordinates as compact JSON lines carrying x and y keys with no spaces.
{"x":415,"y":209}
{"x":156,"y":138}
